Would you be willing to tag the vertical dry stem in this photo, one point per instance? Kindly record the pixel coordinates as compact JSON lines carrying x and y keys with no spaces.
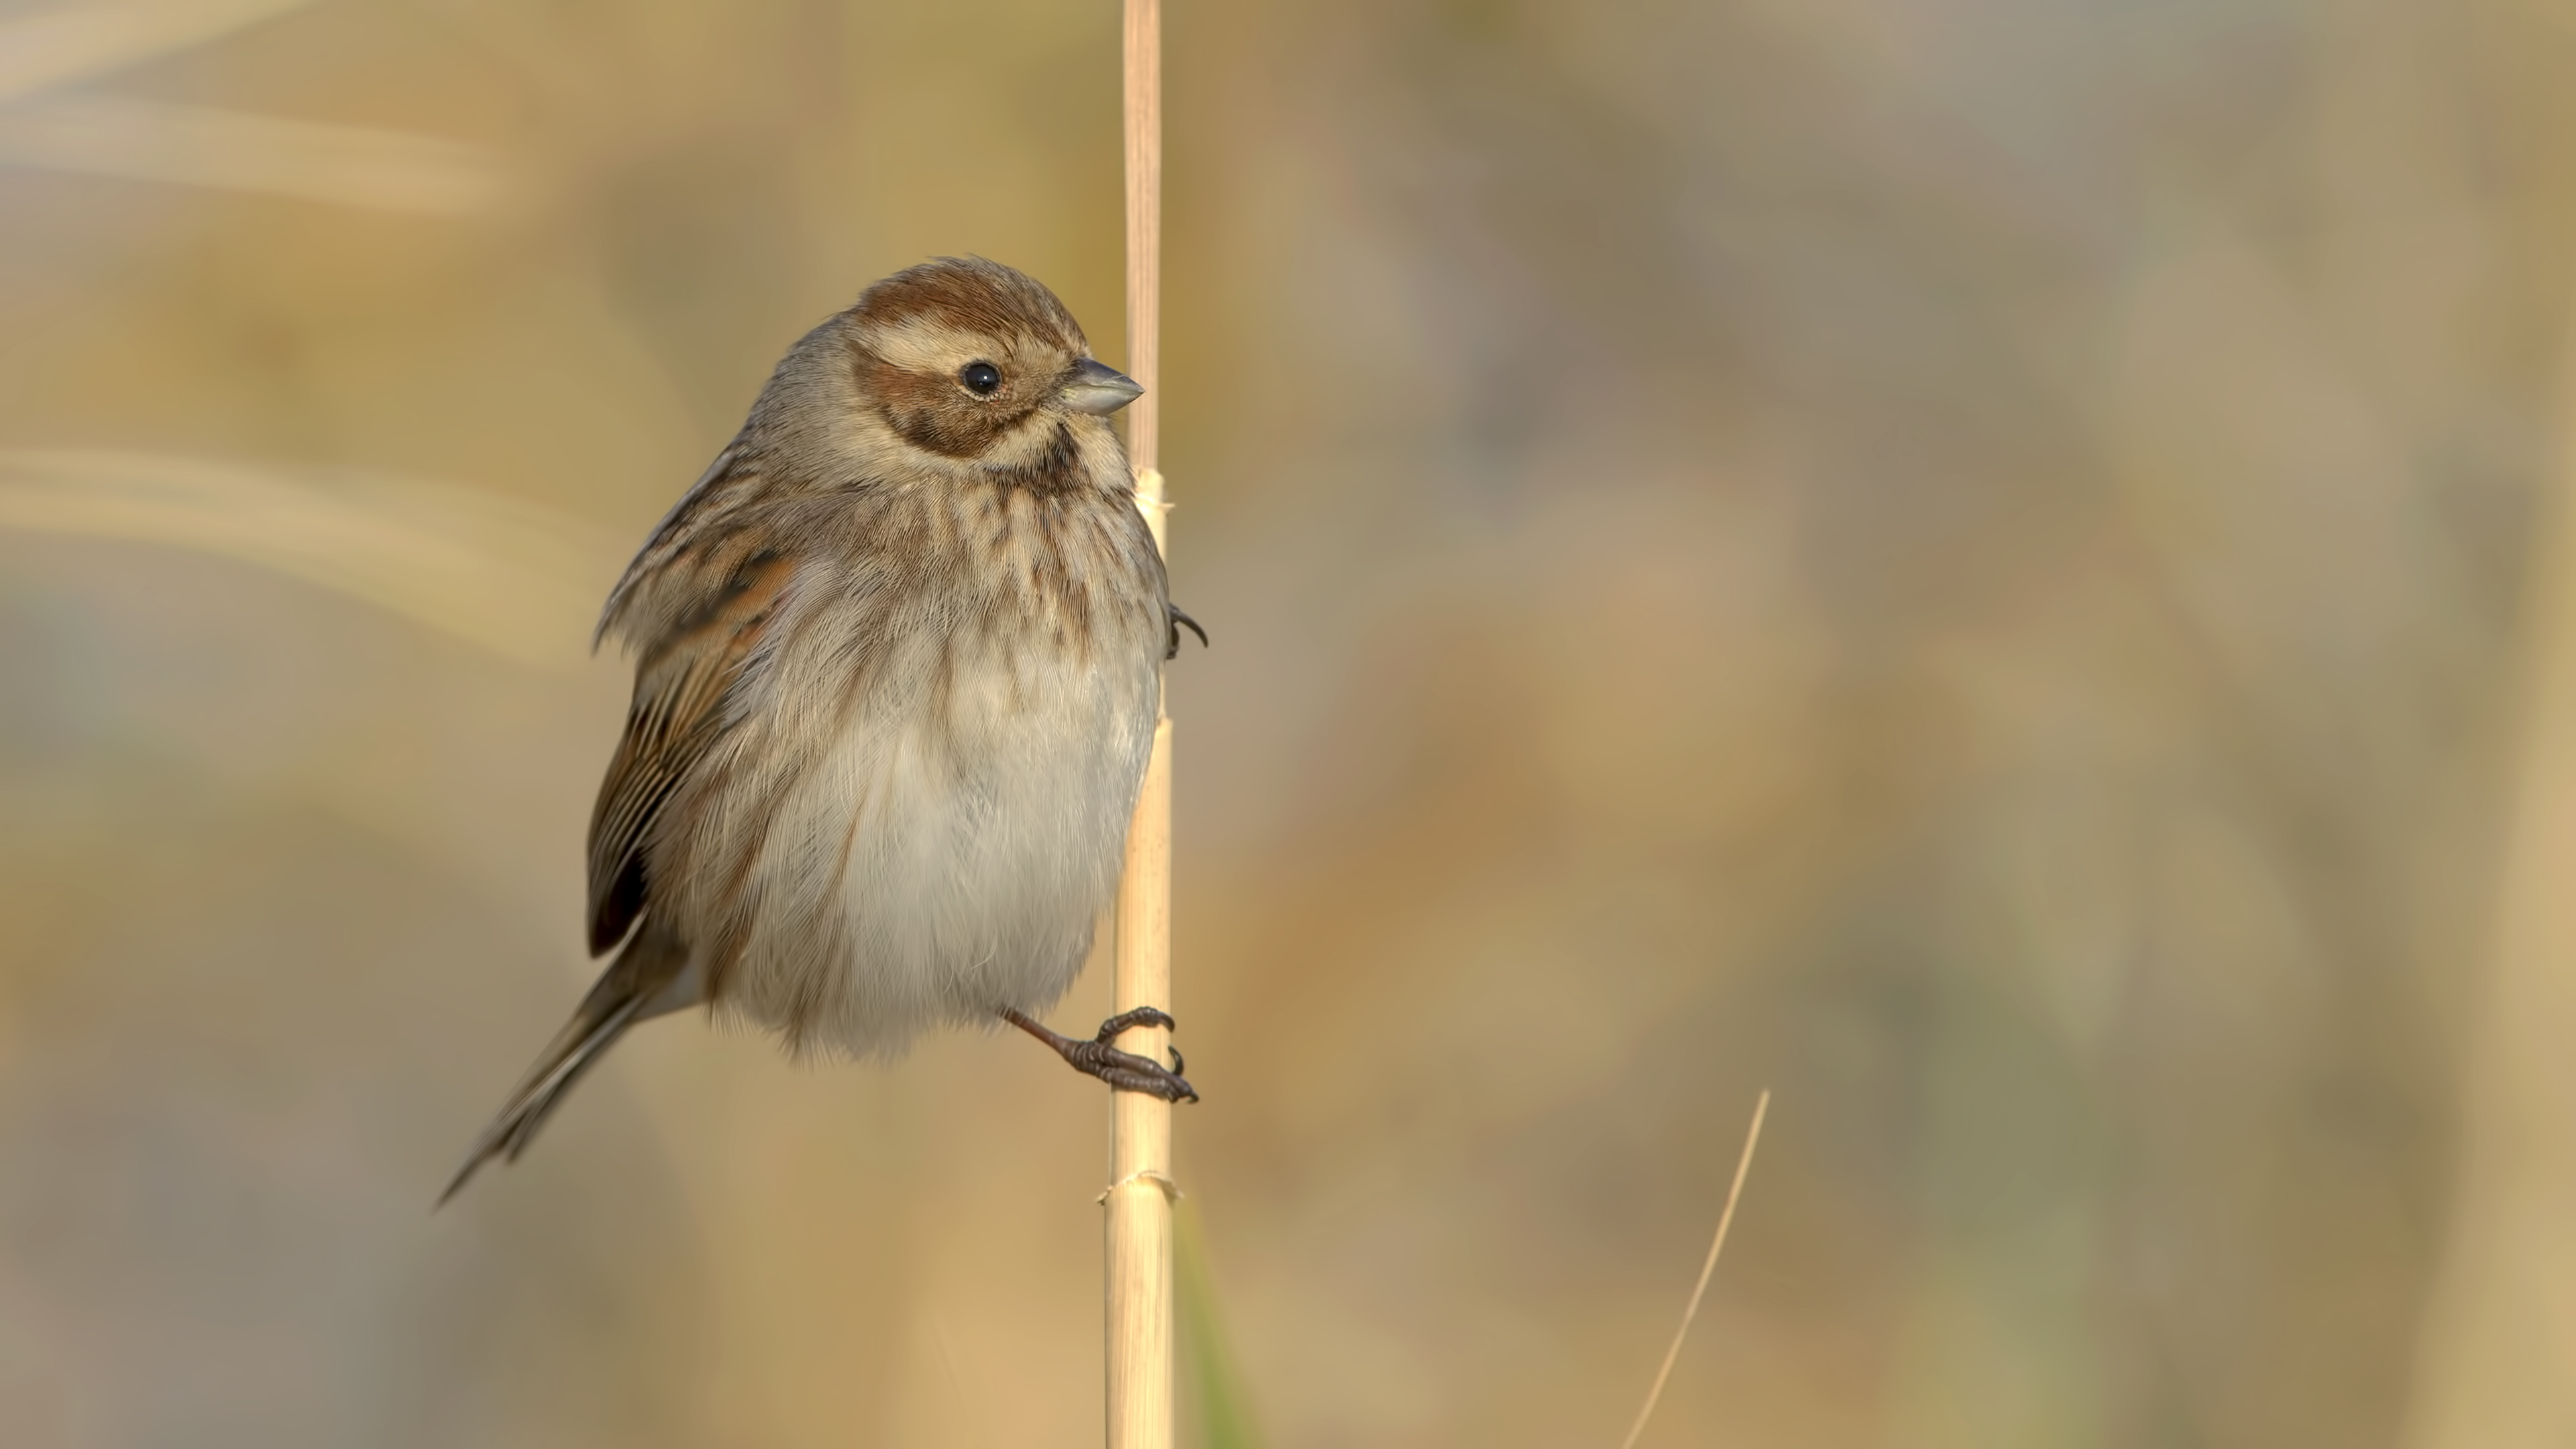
{"x":1139,"y":1201}
{"x":1144,"y":130}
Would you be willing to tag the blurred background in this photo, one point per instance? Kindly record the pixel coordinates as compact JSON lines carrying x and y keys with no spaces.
{"x":1994,"y":567}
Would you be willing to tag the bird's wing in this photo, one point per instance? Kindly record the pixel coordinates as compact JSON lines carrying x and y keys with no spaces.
{"x":682,"y":682}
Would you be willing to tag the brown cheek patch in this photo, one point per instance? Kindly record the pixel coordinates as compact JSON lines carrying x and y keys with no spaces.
{"x":933,"y":413}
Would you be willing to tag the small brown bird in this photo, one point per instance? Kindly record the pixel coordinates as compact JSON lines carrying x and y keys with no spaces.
{"x":897,"y":666}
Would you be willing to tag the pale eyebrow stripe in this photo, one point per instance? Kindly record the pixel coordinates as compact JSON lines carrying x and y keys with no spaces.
{"x":920,"y":344}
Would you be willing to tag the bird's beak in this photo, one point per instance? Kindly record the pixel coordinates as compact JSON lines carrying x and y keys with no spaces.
{"x":1098,"y":388}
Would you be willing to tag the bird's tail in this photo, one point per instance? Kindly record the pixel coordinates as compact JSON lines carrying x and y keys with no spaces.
{"x":644,"y":982}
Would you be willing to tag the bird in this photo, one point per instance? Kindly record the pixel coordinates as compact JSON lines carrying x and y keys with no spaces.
{"x":898,"y":663}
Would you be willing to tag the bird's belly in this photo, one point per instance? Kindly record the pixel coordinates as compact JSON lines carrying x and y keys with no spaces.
{"x":947,"y":856}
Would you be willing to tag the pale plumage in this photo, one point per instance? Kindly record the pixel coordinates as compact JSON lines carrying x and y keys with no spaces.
{"x":898,"y":661}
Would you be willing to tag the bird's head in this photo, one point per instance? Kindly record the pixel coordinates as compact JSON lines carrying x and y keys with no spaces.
{"x":973,"y":361}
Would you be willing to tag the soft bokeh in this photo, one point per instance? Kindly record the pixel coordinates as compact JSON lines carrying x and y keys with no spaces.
{"x":1994,"y":567}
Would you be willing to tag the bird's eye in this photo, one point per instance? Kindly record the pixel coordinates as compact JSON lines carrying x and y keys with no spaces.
{"x":981,"y":378}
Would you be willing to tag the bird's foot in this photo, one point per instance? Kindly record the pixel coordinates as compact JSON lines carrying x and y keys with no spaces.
{"x":1178,"y":619}
{"x":1123,"y":1071}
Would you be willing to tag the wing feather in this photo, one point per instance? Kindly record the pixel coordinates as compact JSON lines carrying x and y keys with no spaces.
{"x":681,"y":686}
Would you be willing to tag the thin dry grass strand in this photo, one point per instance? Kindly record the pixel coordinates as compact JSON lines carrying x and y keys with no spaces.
{"x":503,"y":573}
{"x":146,"y":140}
{"x":73,"y":43}
{"x":1743,"y":1165}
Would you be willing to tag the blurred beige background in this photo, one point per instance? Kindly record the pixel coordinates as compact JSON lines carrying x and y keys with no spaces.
{"x":1991,"y":566}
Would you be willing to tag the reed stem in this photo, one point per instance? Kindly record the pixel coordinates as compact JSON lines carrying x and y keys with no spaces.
{"x":1139,"y":1201}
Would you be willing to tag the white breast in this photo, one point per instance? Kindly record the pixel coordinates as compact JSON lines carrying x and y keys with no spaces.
{"x":948,"y":853}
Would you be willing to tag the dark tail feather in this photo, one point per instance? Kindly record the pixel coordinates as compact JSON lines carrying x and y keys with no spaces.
{"x":620,"y":999}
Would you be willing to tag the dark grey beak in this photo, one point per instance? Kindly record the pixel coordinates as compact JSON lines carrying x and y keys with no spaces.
{"x":1098,"y":388}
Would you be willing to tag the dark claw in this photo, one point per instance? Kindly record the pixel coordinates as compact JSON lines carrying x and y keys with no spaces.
{"x":1130,"y":1020}
{"x":1179,"y":1066}
{"x":1136,"y":1074}
{"x":1126,"y":1072}
{"x":1180,"y":619}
